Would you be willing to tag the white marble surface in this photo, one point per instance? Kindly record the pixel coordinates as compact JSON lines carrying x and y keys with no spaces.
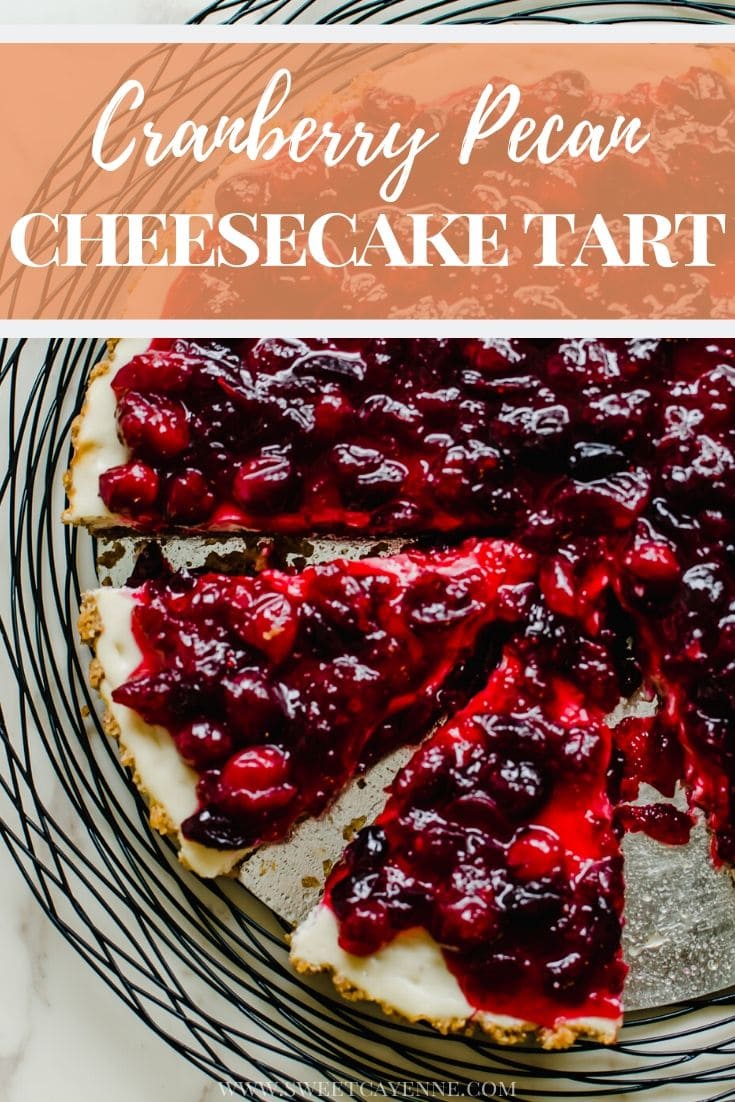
{"x":63,"y":1035}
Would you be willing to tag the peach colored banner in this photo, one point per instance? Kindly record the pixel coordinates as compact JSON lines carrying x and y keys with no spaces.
{"x":367,"y":181}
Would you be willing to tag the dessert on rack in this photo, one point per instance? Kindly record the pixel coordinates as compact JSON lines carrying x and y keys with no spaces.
{"x":568,"y":511}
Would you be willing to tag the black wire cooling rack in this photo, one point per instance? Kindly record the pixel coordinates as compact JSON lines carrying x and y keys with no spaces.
{"x":206,"y":965}
{"x":433,"y":12}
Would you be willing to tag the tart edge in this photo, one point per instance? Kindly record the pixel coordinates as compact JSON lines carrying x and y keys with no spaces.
{"x":69,"y":516}
{"x":93,"y":448}
{"x":91,"y":627}
{"x":561,"y":1036}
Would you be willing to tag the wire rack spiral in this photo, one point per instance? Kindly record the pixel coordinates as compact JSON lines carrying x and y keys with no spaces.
{"x":206,"y":965}
{"x":433,"y":12}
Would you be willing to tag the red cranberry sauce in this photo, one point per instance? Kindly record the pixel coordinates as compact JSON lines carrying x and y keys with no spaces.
{"x":664,"y":822}
{"x":387,"y":436}
{"x":278,"y":689}
{"x":613,"y":460}
{"x":677,"y":577}
{"x":497,"y":840}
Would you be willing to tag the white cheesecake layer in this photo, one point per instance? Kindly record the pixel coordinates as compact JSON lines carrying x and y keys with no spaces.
{"x":160,"y":773}
{"x":97,"y":446}
{"x":409,"y":976}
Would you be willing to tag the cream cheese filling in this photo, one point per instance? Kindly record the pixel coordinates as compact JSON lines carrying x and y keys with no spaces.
{"x":97,"y":446}
{"x":409,"y":975}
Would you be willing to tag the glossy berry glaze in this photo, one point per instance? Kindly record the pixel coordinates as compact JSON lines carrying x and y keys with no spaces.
{"x":497,"y":840}
{"x":676,"y":576}
{"x":386,"y":436}
{"x":542,"y":441}
{"x":276,"y":689}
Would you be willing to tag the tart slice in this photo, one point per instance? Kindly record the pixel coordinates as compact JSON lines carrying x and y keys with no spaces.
{"x":245,"y":704}
{"x":489,"y":890}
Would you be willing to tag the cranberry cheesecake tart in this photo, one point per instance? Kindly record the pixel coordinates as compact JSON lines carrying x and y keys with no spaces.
{"x":366,"y":436}
{"x":575,"y":503}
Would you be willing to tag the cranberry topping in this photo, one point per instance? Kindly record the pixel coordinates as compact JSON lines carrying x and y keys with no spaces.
{"x":132,"y":485}
{"x":611,"y":465}
{"x":389,"y":435}
{"x":613,"y":460}
{"x":278,"y":688}
{"x":664,"y":822}
{"x":498,"y":842}
{"x":647,"y":751}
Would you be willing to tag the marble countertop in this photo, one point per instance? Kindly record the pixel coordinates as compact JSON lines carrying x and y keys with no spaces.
{"x":99,"y":11}
{"x":53,"y":1008}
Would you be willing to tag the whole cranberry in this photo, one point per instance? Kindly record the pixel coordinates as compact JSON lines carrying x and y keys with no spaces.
{"x":467,"y":920}
{"x":519,"y":787}
{"x":332,"y":412}
{"x":435,"y":602}
{"x":583,"y":361}
{"x":365,"y":927}
{"x":582,"y":749}
{"x":366,"y":474}
{"x":132,"y":486}
{"x":152,"y":696}
{"x":534,"y":853}
{"x":387,"y":415}
{"x":251,"y":708}
{"x":270,"y":624}
{"x":716,"y":392}
{"x":156,"y":426}
{"x":651,"y":561}
{"x":704,"y":588}
{"x":256,"y":780}
{"x":188,"y":497}
{"x":161,"y":371}
{"x":497,"y":355}
{"x":255,"y":768}
{"x":652,"y":570}
{"x":264,"y":481}
{"x":204,"y":743}
{"x":701,"y":469}
{"x":369,"y":847}
{"x":274,"y":354}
